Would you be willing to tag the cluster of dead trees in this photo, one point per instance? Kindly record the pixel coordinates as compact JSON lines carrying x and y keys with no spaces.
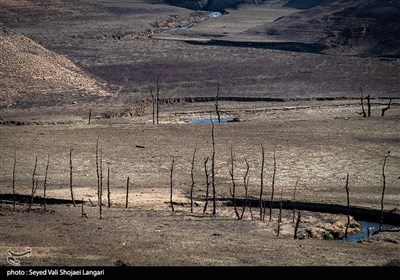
{"x":368,"y":112}
{"x":210,"y":184}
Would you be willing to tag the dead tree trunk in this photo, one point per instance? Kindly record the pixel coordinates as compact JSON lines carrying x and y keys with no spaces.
{"x":153,"y":103}
{"x":362,"y":104}
{"x":248,"y":198}
{"x":280,"y":215}
{"x":157,"y":99}
{"x":207,"y":185}
{"x":101,"y":185}
{"x":127,"y":192}
{"x":45,"y":183}
{"x":171,"y":184}
{"x":82,"y":213}
{"x":262,"y":182}
{"x":273,"y":187}
{"x":348,"y":205}
{"x":383,"y":189}
{"x":213,"y":170}
{"x":216,"y":105}
{"x":97,"y":170}
{"x":386,"y":108}
{"x":33,"y":185}
{"x":13,"y":178}
{"x":369,"y":105}
{"x":90,"y":116}
{"x":246,"y":191}
{"x":294,"y":199}
{"x":108,"y":186}
{"x":233,"y":191}
{"x":193,"y":181}
{"x":297,"y":225}
{"x":70,"y":177}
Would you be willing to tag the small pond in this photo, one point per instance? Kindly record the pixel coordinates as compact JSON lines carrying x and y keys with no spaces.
{"x":368,"y":229}
{"x":214,"y":14}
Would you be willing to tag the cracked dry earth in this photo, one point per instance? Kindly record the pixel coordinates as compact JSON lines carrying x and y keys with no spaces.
{"x":308,"y":148}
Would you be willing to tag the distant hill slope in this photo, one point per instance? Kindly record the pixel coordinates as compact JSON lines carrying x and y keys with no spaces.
{"x":211,"y":5}
{"x":358,"y":27}
{"x":19,"y":11}
{"x":31,"y":73}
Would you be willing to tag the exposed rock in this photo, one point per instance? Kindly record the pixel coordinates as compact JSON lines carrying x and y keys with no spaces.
{"x":334,"y":229}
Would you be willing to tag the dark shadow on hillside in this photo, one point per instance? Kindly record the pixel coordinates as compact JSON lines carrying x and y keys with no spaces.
{"x":304,"y":4}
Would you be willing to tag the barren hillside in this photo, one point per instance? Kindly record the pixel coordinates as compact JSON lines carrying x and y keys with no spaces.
{"x":366,"y":28}
{"x":24,"y":11}
{"x":29,"y":72}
